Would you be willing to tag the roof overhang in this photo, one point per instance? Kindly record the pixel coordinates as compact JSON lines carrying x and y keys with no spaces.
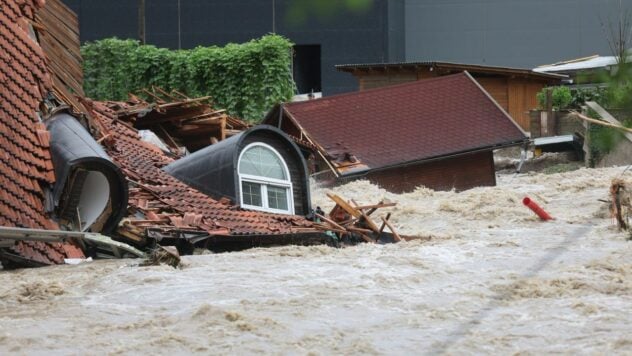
{"x":449,"y":66}
{"x":363,"y":172}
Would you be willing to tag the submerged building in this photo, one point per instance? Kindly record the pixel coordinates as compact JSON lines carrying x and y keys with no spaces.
{"x":439,"y":133}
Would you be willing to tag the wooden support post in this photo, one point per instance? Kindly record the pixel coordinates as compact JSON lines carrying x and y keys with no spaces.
{"x":587,"y":143}
{"x":222,"y":128}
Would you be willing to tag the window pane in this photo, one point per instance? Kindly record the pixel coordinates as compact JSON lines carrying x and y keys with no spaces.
{"x":277,"y":198}
{"x":262,"y":162}
{"x":251,"y":193}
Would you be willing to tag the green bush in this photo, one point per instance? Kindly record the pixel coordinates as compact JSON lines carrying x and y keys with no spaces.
{"x":582,"y":95}
{"x":561,"y":97}
{"x":246,"y":79}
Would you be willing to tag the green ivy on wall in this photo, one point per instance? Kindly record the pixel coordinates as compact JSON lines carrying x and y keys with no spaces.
{"x":246,"y":79}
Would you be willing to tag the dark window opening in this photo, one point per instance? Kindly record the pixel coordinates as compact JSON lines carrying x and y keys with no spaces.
{"x":307,"y":68}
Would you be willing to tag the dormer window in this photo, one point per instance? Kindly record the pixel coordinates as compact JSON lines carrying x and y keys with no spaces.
{"x":264,"y":180}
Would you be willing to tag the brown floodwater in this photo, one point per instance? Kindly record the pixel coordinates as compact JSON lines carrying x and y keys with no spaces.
{"x":492,"y":279}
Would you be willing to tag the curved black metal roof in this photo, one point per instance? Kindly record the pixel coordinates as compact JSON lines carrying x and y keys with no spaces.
{"x":213,"y":169}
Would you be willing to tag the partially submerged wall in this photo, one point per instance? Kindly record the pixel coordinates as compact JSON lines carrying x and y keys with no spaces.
{"x":459,"y":173}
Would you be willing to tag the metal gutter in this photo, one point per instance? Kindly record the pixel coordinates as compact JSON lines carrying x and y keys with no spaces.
{"x":22,"y":234}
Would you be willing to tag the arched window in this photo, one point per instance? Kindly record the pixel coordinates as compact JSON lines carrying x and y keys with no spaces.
{"x":264,"y":180}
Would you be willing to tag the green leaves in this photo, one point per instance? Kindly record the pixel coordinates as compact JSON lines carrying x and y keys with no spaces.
{"x":561,"y":96}
{"x":246,"y":79}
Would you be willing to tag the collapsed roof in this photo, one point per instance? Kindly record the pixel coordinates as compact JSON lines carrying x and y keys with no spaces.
{"x":402,"y":124}
{"x":161,"y":206}
{"x":178,"y":120}
{"x":40,"y":85}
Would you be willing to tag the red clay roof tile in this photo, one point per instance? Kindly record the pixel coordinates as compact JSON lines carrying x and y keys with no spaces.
{"x":25,"y":163}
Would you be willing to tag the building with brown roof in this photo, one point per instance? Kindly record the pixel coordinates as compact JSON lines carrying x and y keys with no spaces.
{"x":514,"y":89}
{"x":439,"y":133}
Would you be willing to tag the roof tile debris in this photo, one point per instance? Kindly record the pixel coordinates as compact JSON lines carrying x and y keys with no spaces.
{"x":160,"y":201}
{"x":405,"y":123}
{"x":179,"y":120}
{"x":26,"y":170}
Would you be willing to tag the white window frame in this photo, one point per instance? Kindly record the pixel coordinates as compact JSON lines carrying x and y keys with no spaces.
{"x":265,"y":182}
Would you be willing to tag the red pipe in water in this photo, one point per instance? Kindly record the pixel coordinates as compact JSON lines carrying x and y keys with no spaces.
{"x":536,"y":209}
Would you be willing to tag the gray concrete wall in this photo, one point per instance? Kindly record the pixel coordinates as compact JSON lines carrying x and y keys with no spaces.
{"x":517,"y":33}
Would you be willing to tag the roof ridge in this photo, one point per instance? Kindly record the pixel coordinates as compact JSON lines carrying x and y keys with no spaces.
{"x":423,"y":82}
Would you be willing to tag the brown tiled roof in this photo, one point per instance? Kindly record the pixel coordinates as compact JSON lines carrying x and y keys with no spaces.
{"x":158,"y":200}
{"x":25,"y":162}
{"x":407,"y":123}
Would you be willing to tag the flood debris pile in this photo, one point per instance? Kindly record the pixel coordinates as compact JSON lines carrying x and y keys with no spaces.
{"x":165,"y":210}
{"x":179,"y":121}
{"x":352,"y":222}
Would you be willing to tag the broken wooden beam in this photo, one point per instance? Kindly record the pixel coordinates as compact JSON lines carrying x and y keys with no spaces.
{"x":395,"y":234}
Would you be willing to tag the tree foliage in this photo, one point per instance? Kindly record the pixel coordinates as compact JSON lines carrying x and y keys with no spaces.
{"x":561,"y":97}
{"x":246,"y":79}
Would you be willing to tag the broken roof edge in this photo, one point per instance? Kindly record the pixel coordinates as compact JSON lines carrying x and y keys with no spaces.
{"x":356,"y":173}
{"x":462,"y":66}
{"x":318,"y":148}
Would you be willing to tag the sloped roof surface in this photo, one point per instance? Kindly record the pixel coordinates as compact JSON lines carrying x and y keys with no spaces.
{"x":165,"y":202}
{"x":409,"y":122}
{"x":25,"y":162}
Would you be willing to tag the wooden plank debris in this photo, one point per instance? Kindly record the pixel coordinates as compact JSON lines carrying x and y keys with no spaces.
{"x":395,"y":234}
{"x":350,"y":219}
{"x":178,"y":120}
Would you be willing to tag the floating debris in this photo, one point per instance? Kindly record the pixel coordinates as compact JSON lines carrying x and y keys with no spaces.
{"x":163,"y":255}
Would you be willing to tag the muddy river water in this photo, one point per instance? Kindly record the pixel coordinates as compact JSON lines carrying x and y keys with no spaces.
{"x":491,"y":279}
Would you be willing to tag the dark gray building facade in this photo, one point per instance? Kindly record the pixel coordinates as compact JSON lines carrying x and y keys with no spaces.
{"x":511,"y":33}
{"x":324,"y":36}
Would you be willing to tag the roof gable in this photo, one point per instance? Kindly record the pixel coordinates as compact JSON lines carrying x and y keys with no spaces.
{"x":407,"y":123}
